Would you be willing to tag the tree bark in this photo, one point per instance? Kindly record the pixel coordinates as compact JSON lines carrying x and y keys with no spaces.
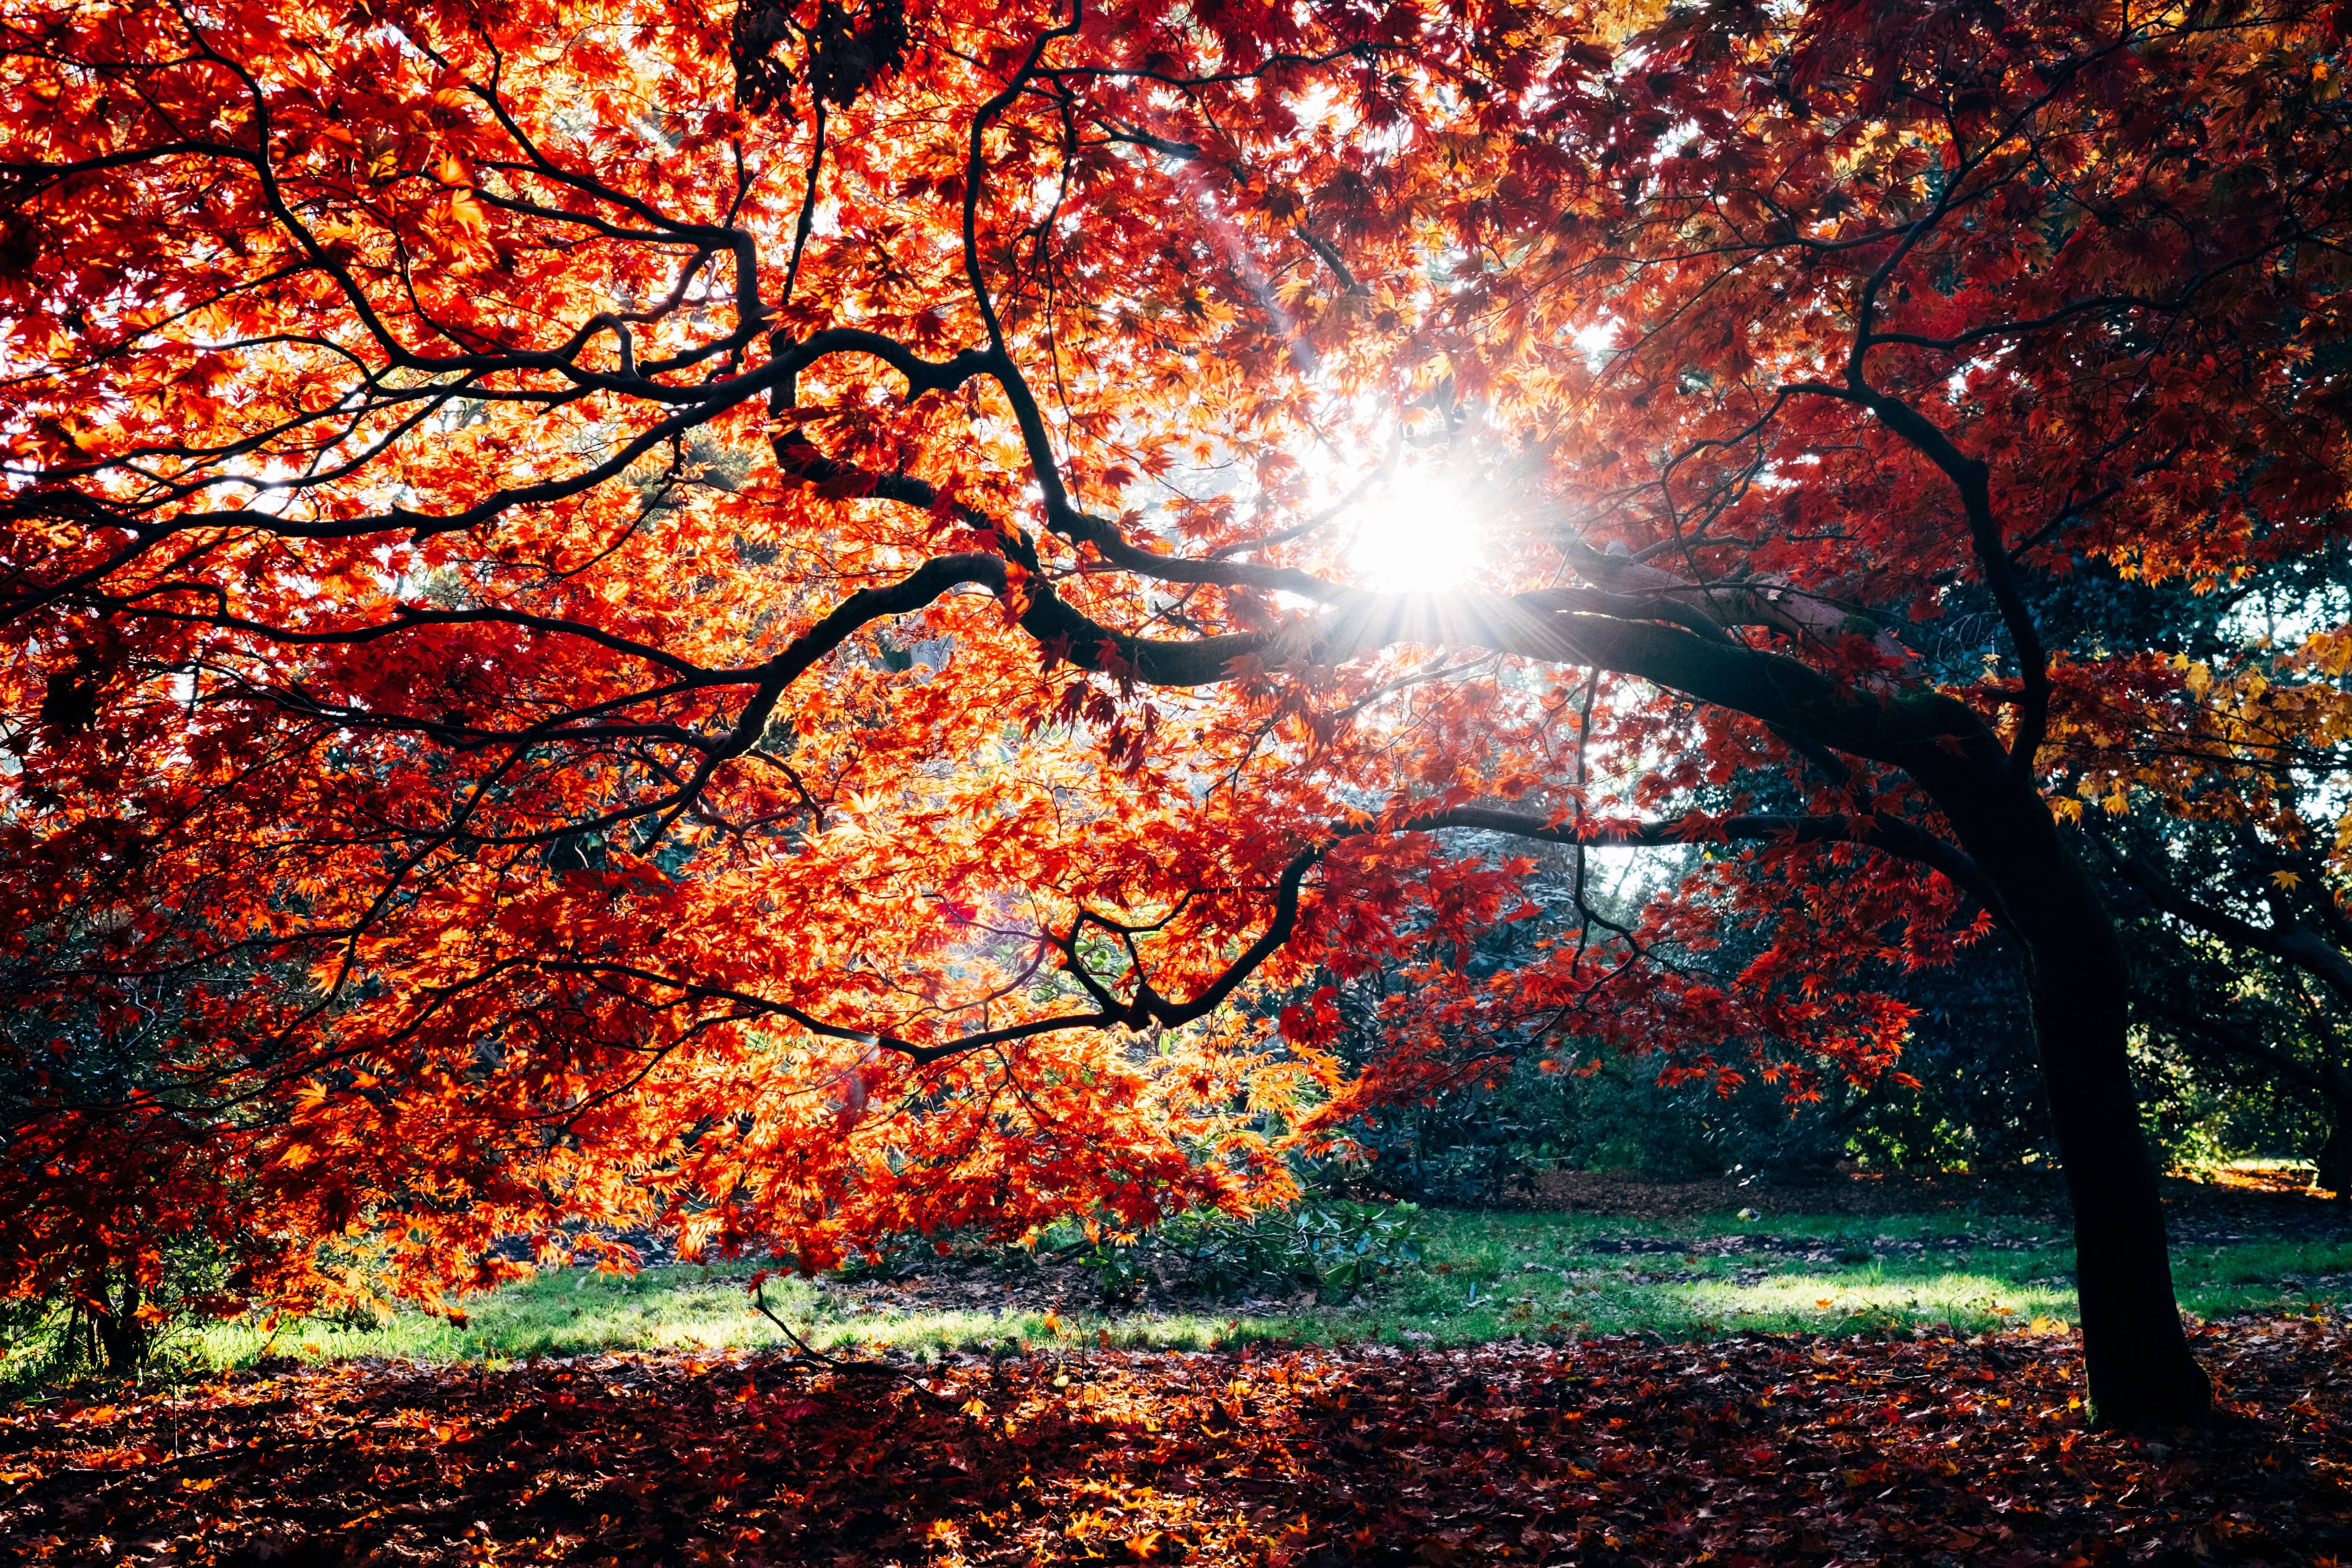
{"x":2136,"y":1357}
{"x":2135,"y":1351}
{"x":121,"y":1337}
{"x":2335,"y":1153}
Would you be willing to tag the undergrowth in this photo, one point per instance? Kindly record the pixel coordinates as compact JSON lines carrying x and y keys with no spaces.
{"x":1426,"y":1277}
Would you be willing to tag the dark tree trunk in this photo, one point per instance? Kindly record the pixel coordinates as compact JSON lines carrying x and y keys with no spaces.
{"x":2135,"y":1351}
{"x":2335,"y":1154}
{"x":2137,"y":1356}
{"x":121,"y":1337}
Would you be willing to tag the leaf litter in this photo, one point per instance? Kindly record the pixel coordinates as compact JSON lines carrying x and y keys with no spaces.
{"x":1620,"y":1450}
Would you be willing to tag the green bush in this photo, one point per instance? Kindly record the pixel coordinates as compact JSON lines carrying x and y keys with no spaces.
{"x":1335,"y":1248}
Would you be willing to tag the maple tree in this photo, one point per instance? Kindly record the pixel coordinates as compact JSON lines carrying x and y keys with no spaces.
{"x":761,"y":623}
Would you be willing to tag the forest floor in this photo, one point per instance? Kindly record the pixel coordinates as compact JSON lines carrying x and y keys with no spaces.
{"x":1751,"y":1449}
{"x":1639,"y":1376}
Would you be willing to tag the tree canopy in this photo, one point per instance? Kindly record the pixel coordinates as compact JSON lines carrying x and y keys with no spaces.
{"x":821,"y":625}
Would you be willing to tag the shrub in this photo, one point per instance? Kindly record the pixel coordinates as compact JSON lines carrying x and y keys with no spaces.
{"x":1334,"y":1249}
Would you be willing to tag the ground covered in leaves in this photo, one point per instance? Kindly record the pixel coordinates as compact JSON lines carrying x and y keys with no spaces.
{"x":1746,"y":1451}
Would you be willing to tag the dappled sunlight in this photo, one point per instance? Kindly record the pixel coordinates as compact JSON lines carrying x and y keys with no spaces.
{"x":2296,"y":1177}
{"x":573,"y":1314}
{"x":1965,"y":1300}
{"x":1484,"y":1276}
{"x":939,"y":624}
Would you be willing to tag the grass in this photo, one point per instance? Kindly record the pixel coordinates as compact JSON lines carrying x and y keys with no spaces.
{"x":1482,"y":1275}
{"x":680,"y":1308}
{"x":1826,"y":1275}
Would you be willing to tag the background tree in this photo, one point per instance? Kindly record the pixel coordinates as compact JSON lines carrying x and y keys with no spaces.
{"x":475,"y":476}
{"x":2233,"y":880}
{"x":1968,"y":1096}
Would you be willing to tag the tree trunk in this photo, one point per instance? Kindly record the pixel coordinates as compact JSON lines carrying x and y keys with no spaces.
{"x":114,"y":1324}
{"x":2136,"y":1356}
{"x":2135,"y":1351}
{"x":2335,"y":1154}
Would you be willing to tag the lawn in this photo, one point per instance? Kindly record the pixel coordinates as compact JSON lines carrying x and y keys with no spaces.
{"x":1479,"y":1277}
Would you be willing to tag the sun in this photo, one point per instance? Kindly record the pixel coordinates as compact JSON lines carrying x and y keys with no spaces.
{"x":1416,"y":536}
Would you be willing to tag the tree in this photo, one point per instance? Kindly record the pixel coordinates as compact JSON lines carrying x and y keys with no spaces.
{"x":2234,"y":883}
{"x":766,"y":623}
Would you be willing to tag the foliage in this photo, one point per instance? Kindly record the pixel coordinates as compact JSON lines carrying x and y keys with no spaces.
{"x":1972,"y":1100}
{"x":119,"y":1321}
{"x":2225,"y":871}
{"x":1790,"y":1449}
{"x":2205,"y":1111}
{"x":1975,"y":1105}
{"x":1334,"y":1250}
{"x":138,"y":1227}
{"x":476,"y":479}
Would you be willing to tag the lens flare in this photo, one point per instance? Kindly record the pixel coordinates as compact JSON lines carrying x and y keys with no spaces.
{"x":1418,"y":536}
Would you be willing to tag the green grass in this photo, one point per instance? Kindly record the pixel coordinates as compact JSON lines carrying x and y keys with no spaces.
{"x":684,"y":1308}
{"x":1482,"y":1277}
{"x":1495,"y":1275}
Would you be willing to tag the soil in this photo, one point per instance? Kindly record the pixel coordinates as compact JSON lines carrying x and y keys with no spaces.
{"x":976,"y":1285}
